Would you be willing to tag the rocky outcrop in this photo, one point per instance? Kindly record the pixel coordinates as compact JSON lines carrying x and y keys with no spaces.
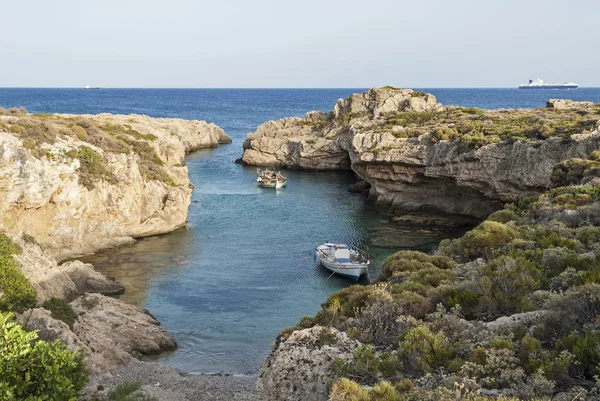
{"x":422,"y":174}
{"x":298,"y":368}
{"x":379,"y":101}
{"x":43,"y":194}
{"x":567,"y":104}
{"x":72,"y":185}
{"x":387,"y":137}
{"x":109,"y":332}
{"x":65,"y":281}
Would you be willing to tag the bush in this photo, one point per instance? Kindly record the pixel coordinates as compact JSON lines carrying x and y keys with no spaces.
{"x":129,"y":391}
{"x":412,"y":261}
{"x":480,"y":242}
{"x":61,"y":310}
{"x":574,"y":172}
{"x":503,"y":285}
{"x":348,"y":390}
{"x":503,"y":216}
{"x":16,"y":293}
{"x":91,"y":167}
{"x":350,"y":299}
{"x":367,"y":366}
{"x":425,"y":351}
{"x":36,"y":370}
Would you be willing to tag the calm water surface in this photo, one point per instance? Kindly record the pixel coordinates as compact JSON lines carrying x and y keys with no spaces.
{"x":244,"y":268}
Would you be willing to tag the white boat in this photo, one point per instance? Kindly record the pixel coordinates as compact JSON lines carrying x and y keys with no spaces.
{"x":540,"y":84}
{"x":91,"y":87}
{"x":271,"y":179}
{"x":342,"y":260}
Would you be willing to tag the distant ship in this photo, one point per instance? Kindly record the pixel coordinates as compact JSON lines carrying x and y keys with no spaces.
{"x":539,"y":84}
{"x":91,"y":87}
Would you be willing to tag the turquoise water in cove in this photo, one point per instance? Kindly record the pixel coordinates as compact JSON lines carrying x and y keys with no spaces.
{"x":243,"y":269}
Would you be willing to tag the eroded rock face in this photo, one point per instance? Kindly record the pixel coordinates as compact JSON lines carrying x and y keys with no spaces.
{"x":43,"y":196}
{"x":414,"y":173}
{"x":297,"y":369}
{"x":109,"y":332}
{"x":51,"y":213}
{"x":420,"y":174}
{"x":567,"y":104}
{"x":63,"y":281}
{"x":377,"y":101}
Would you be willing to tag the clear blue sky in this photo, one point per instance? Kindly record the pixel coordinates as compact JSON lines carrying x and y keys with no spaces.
{"x":310,"y":43}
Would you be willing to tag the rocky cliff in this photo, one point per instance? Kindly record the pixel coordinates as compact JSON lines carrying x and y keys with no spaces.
{"x":72,"y":185}
{"x":81,"y":183}
{"x":419,"y":156}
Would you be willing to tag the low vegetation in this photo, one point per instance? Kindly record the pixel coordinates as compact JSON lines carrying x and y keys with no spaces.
{"x":16,"y":293}
{"x":36,"y":370}
{"x":128,"y":391}
{"x":426,"y":321}
{"x":36,"y":130}
{"x":61,"y":310}
{"x":477,"y":127}
{"x":474,"y":127}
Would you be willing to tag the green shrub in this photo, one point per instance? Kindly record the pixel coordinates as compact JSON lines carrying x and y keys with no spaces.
{"x":503,"y":216}
{"x":504,"y":284}
{"x":29,"y":239}
{"x":480,"y":242}
{"x":129,"y":391}
{"x":80,"y":132}
{"x":465,"y":298}
{"x":367,"y":366}
{"x":91,"y":167}
{"x":60,"y":309}
{"x":574,"y":171}
{"x":384,"y":391}
{"x":36,"y":370}
{"x":588,"y":235}
{"x":425,"y":351}
{"x":585,"y":348}
{"x":413,"y":304}
{"x":17,"y":294}
{"x":351,"y":298}
{"x":412,"y":261}
{"x":348,"y":390}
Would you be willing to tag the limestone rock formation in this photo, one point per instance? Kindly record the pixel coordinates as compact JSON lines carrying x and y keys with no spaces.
{"x":378,"y":101}
{"x":411,"y":150}
{"x":46,"y":196}
{"x":567,"y":104}
{"x":64,"y":281}
{"x":411,"y":173}
{"x":109,"y":332}
{"x":297,"y":369}
{"x":72,"y":185}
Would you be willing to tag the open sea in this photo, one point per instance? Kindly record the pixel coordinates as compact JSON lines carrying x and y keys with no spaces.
{"x":243,"y":269}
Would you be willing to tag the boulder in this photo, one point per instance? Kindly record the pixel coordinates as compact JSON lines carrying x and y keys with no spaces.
{"x":567,"y":104}
{"x":297,"y":369}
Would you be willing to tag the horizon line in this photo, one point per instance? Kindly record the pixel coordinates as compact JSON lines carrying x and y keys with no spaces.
{"x":276,"y":88}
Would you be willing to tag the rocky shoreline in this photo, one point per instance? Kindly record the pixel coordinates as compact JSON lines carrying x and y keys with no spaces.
{"x":77,"y":184}
{"x":410,"y":149}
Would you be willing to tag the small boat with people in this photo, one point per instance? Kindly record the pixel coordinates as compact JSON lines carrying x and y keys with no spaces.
{"x":341,"y":259}
{"x":271,"y":179}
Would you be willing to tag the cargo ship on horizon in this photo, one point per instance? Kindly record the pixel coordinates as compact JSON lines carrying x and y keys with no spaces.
{"x":539,"y":84}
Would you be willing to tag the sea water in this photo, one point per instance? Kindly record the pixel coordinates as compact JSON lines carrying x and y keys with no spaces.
{"x":244,"y":266}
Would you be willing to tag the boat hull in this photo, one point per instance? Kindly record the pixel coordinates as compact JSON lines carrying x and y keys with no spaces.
{"x":549,"y":87}
{"x":352,"y":271}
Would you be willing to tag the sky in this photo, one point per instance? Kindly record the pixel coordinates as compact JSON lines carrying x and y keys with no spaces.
{"x":297,"y":44}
